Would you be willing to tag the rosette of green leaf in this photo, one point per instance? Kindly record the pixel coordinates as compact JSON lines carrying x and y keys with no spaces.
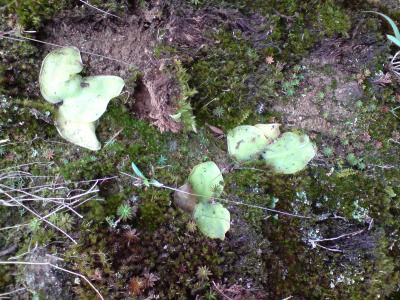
{"x":206,"y":181}
{"x":246,"y":142}
{"x":212,"y":219}
{"x":290,"y":153}
{"x":84,"y":99}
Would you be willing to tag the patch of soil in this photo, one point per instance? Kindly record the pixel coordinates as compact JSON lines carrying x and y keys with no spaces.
{"x":326,"y":100}
{"x":131,"y":41}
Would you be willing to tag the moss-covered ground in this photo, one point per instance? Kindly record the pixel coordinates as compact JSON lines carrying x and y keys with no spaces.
{"x":349,"y":192}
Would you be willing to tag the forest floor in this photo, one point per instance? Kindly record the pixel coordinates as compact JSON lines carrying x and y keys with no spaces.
{"x":193,"y":70}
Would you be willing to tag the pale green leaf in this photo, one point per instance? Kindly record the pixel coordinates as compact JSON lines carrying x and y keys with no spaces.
{"x":206,"y":181}
{"x":91,"y":100}
{"x":394,"y":40}
{"x":213,"y":220}
{"x":246,"y":142}
{"x":290,"y":153}
{"x":57,"y":78}
{"x":78,"y":133}
{"x":391,"y":23}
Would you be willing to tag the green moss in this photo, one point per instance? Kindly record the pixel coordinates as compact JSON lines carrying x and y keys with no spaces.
{"x":32,"y":13}
{"x":184,"y":112}
{"x":20,"y":67}
{"x":332,"y":19}
{"x":222,"y":79}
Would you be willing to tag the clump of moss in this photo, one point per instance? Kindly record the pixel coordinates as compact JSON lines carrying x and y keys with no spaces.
{"x":32,"y":13}
{"x":20,"y":67}
{"x":184,"y":112}
{"x":222,"y":78}
{"x":332,"y":19}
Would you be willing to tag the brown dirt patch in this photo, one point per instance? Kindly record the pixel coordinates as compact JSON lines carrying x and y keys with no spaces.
{"x":132,"y":41}
{"x":325,"y":102}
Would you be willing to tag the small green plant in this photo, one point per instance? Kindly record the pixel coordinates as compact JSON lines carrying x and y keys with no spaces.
{"x":162,"y":160}
{"x":34,"y":224}
{"x":285,"y":154}
{"x":124,"y":212}
{"x":354,"y":161}
{"x":218,"y":112}
{"x":203,"y":273}
{"x":289,"y":87}
{"x":84,"y":99}
{"x":327,"y":151}
{"x":197,"y":197}
{"x":184,"y":113}
{"x":62,"y":220}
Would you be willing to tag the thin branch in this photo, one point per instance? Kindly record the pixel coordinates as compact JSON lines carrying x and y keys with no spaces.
{"x":226,"y":200}
{"x":329,"y":249}
{"x":53,"y":266}
{"x":340,"y":236}
{"x":24,"y":38}
{"x":12,"y":292}
{"x":220,"y":292}
{"x":100,"y":10}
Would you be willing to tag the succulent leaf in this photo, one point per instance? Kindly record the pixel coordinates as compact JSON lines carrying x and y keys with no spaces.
{"x":57,"y":78}
{"x":91,"y":100}
{"x":84,"y":99}
{"x":79,"y":133}
{"x":246,"y":142}
{"x":271,"y":131}
{"x":290,"y":153}
{"x":212,"y":219}
{"x":206,"y":181}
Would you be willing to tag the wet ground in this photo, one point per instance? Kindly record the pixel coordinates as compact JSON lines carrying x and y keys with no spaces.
{"x":194,"y":70}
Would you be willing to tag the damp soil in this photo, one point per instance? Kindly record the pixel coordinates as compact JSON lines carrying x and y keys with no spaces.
{"x":338,"y":235}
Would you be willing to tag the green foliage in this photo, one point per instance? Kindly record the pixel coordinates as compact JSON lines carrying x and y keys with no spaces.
{"x":212,"y":219}
{"x":62,"y":220}
{"x":287,"y":154}
{"x":152,"y":212}
{"x":245,"y":142}
{"x":203,"y":273}
{"x":290,"y":153}
{"x":184,"y":112}
{"x":354,"y":161}
{"x":32,"y":13}
{"x":206,"y":181}
{"x":125,"y":212}
{"x":396,"y":38}
{"x":327,"y":151}
{"x":19,"y":68}
{"x":196,"y":196}
{"x":34,"y":224}
{"x":218,"y":112}
{"x":289,"y":86}
{"x":332,"y":19}
{"x":84,"y":100}
{"x":221,"y":79}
